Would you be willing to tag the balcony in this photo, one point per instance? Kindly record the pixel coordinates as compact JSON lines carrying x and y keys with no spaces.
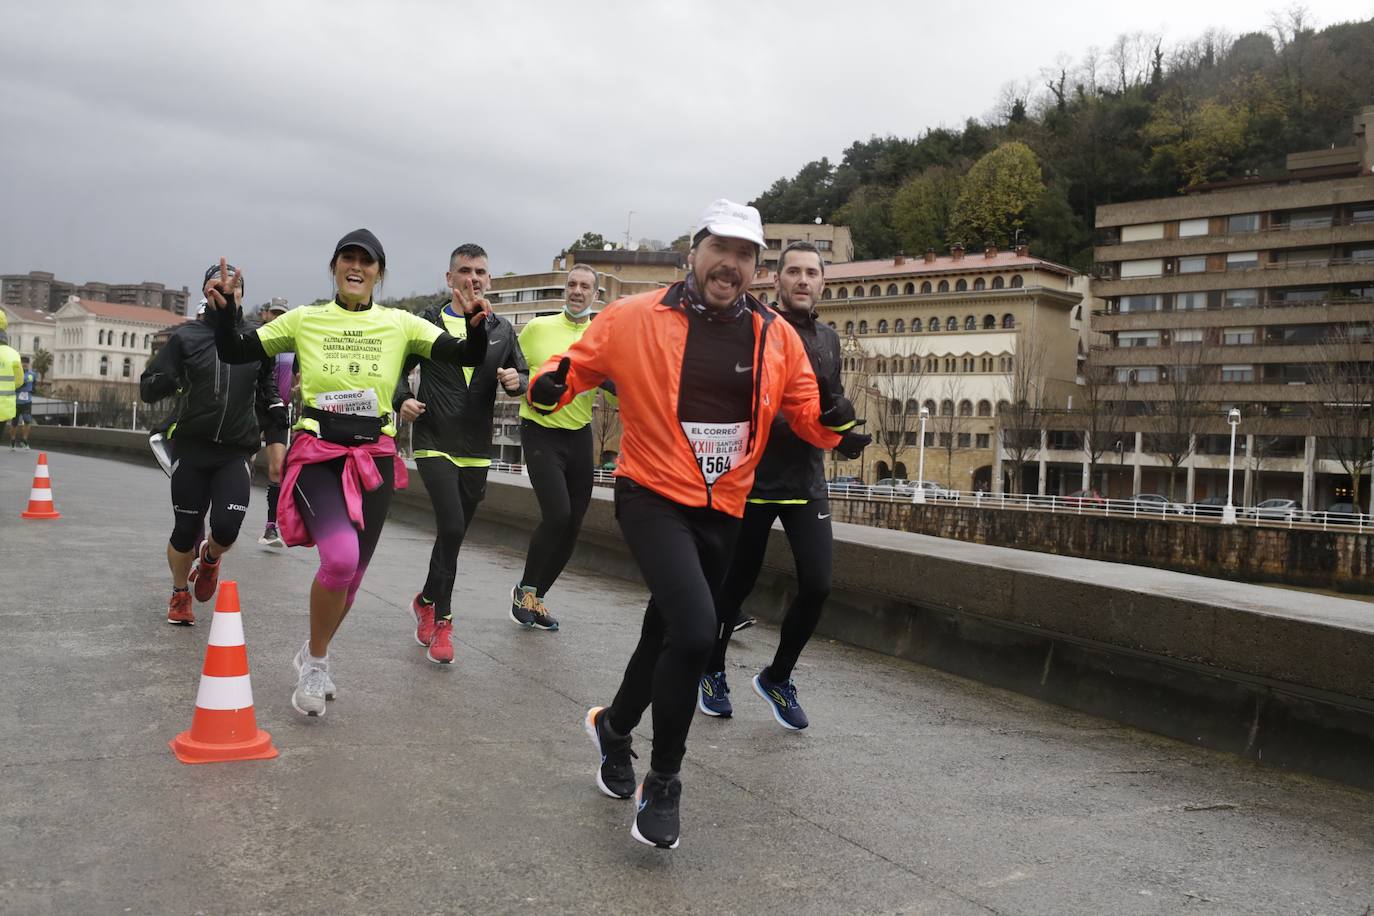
{"x":1328,"y":311}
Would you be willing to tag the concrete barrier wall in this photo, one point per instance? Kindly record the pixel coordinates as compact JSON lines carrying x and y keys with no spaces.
{"x":1282,"y":677}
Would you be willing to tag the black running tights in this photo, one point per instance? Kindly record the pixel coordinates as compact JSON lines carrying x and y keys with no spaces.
{"x":220,"y":484}
{"x":454,"y":492}
{"x":560,"y":468}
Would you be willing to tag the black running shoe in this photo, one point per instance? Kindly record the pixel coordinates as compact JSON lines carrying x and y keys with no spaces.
{"x":656,"y":821}
{"x":616,"y":774}
{"x":782,"y":700}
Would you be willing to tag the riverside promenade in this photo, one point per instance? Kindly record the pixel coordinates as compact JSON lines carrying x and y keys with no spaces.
{"x":469,"y":788}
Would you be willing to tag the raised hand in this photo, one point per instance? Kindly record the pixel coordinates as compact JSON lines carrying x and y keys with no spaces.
{"x":466,"y":301}
{"x":220,"y":292}
{"x":548,"y":388}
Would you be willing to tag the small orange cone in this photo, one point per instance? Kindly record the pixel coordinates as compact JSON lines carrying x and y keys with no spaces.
{"x":40,"y":497}
{"x":223,"y":726}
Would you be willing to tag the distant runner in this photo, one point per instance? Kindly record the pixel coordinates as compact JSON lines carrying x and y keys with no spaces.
{"x":22,"y":421}
{"x":276,"y":436}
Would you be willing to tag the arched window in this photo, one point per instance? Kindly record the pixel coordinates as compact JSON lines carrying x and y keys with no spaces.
{"x":944,"y":286}
{"x":863,"y":327}
{"x":909,"y":289}
{"x":1008,"y":321}
{"x":970,"y":323}
{"x":947,"y":408}
{"x":912,"y":407}
{"x":1017,"y":282}
{"x":147,"y":341}
{"x":951,"y":323}
{"x":849,"y":327}
{"x":892,"y":289}
{"x":989,"y":322}
{"x":882,"y":325}
{"x":925,"y":287}
{"x":984,"y":408}
{"x":894,"y":407}
{"x":934,"y":323}
{"x":930,"y":407}
{"x":1002,"y":406}
{"x":858,"y":292}
{"x":128,"y":367}
{"x":825,"y":294}
{"x":881,"y":470}
{"x":916,"y":326}
{"x":980,"y":283}
{"x":899,"y":326}
{"x":104,"y":365}
{"x":961,"y":285}
{"x":965,"y":408}
{"x":882,"y":366}
{"x":844,"y":292}
{"x":997,"y":283}
{"x":832,"y":324}
{"x":875,"y":290}
{"x":100,"y":338}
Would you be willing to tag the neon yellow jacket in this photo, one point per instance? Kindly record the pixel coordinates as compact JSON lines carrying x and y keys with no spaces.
{"x":11,"y":377}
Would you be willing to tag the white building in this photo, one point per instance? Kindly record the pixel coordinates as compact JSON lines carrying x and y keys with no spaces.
{"x":103,"y":343}
{"x":30,"y":330}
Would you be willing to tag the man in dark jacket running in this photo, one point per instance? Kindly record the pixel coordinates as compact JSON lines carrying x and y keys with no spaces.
{"x":789,"y":484}
{"x":211,"y":444}
{"x":452,"y":412}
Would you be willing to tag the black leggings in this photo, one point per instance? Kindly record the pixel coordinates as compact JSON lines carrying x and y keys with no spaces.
{"x":560,"y":468}
{"x":454,"y":492}
{"x":344,"y":550}
{"x":682,"y":553}
{"x":811,"y":538}
{"x":204,"y":478}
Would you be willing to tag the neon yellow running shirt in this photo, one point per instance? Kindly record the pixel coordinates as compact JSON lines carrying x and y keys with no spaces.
{"x":349,"y":361}
{"x":541,"y":338}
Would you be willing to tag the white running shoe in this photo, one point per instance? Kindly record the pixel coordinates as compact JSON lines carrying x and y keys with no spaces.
{"x":330,"y":691}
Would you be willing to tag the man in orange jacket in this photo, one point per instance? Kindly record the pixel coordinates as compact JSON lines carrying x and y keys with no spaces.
{"x":701,"y":369}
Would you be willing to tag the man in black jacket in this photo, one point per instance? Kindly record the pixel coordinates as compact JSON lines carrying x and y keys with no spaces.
{"x":212,"y":443}
{"x":789,"y":484}
{"x":452,"y":412}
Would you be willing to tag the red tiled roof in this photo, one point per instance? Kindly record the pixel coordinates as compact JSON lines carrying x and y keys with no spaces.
{"x":122,"y":312}
{"x":19,"y":313}
{"x":972,"y":262}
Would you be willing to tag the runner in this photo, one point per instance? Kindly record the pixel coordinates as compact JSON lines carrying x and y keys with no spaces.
{"x":342,"y":467}
{"x":11,"y":377}
{"x":275,"y":436}
{"x":22,"y":421}
{"x":789,"y":484}
{"x":212,"y":444}
{"x":452,"y":412}
{"x":701,"y":369}
{"x":558,"y":454}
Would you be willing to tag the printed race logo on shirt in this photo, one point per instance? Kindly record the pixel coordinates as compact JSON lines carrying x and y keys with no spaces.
{"x":362,"y":402}
{"x":717,"y":446}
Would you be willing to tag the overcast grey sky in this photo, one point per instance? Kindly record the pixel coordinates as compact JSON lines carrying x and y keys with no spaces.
{"x":141,"y":140}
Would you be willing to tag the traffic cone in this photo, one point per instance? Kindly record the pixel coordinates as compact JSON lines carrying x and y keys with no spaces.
{"x":40,"y":497}
{"x":223,"y":726}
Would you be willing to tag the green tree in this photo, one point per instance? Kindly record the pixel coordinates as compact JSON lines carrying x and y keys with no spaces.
{"x":42,"y":363}
{"x":996,"y":194}
{"x":866,"y":215}
{"x":1197,"y":141}
{"x":681,"y":243}
{"x":589,"y":240}
{"x":923,"y":208}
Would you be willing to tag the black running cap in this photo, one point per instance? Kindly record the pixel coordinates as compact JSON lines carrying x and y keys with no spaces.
{"x":362,"y":238}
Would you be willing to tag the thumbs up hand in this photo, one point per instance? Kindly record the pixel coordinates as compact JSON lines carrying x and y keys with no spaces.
{"x":548,"y":388}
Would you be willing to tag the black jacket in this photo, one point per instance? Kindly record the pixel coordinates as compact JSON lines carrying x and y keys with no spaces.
{"x":791,"y":467}
{"x":457,"y":418}
{"x":219,"y":403}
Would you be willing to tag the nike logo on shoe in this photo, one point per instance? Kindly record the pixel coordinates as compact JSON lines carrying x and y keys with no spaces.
{"x":739,"y":368}
{"x":824,"y":517}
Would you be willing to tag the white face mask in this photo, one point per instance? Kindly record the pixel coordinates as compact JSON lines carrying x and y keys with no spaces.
{"x":575,"y":315}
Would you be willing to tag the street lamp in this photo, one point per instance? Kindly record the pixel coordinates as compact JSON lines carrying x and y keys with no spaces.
{"x":1228,"y":514}
{"x":920,"y":495}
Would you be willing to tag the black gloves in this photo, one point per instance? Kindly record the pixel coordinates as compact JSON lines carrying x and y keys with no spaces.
{"x":549,"y":387}
{"x":279,"y":415}
{"x":852,"y":444}
{"x":837,"y":414}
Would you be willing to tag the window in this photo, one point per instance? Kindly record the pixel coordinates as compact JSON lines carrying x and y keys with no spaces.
{"x":875,"y":290}
{"x":899,"y":326}
{"x":128,"y":367}
{"x":933,"y":364}
{"x":950,"y":363}
{"x":966,"y":364}
{"x":858,"y":292}
{"x":882,"y":370}
{"x":985,"y":364}
{"x":916,"y":326}
{"x":823,"y":244}
{"x":844,"y":292}
{"x":989,"y":322}
{"x":945,"y":440}
{"x":1242,"y":260}
{"x":925,"y":287}
{"x":37,"y":345}
{"x":1017,"y":282}
{"x":882,"y":325}
{"x":1191,"y":228}
{"x":951,"y":323}
{"x":1237,"y":337}
{"x":892,"y":289}
{"x":909,"y":289}
{"x":1237,"y":373}
{"x":1243,"y":222}
{"x":1151,"y":303}
{"x":849,"y":328}
{"x":1143,"y":375}
{"x":970,"y":323}
{"x":980,"y":283}
{"x":930,"y":440}
{"x":944,"y":286}
{"x":934,"y":323}
{"x":104,"y":365}
{"x":1309,"y":219}
{"x":983,"y":440}
{"x":1142,"y":233}
{"x":1193,"y":265}
{"x":998,"y":283}
{"x":147,"y":341}
{"x":1362,"y":254}
{"x":1126,"y":339}
{"x":825,"y":294}
{"x":961,"y":285}
{"x":1186,"y":302}
{"x":984,"y":408}
{"x":1188,"y":336}
{"x":1008,"y":322}
{"x":1241,"y":298}
{"x":964,"y":440}
{"x":832,"y":324}
{"x":863,"y":327}
{"x":966,"y":407}
{"x":930,"y":407}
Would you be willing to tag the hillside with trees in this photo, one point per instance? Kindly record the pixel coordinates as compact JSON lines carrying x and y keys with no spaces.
{"x":1135,"y":120}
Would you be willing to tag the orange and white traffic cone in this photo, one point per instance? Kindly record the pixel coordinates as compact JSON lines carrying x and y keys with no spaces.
{"x":224,"y":726}
{"x":40,"y":497}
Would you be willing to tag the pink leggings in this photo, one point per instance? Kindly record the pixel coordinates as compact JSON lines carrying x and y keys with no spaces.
{"x":344,"y":550}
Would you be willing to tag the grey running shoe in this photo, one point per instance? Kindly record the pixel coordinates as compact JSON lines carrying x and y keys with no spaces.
{"x":308,"y":697}
{"x":330,"y":691}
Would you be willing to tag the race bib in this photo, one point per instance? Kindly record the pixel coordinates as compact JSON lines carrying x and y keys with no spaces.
{"x":717,"y":446}
{"x":361,"y":402}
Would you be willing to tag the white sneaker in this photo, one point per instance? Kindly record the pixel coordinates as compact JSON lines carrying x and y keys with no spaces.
{"x":330,"y":691}
{"x":308,"y":697}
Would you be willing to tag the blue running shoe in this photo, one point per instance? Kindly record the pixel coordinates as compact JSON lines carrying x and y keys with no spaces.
{"x":782,"y":699}
{"x":713,"y":695}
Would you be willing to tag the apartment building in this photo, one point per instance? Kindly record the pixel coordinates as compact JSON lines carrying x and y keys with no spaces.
{"x":42,"y":291}
{"x":1241,"y":294}
{"x":834,"y":242}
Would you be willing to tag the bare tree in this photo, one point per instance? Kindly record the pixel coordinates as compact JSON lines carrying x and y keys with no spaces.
{"x":893,"y":386}
{"x":1344,"y":417}
{"x":605,"y":425}
{"x":1102,"y":419}
{"x":1022,"y":414}
{"x":947,"y":422}
{"x":1179,"y":413}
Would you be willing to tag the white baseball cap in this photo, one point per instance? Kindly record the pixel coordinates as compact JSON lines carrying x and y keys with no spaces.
{"x":731,"y":220}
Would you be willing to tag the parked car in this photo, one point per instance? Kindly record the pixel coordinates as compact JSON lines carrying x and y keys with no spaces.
{"x":894,"y":487}
{"x":933,"y":489}
{"x":1282,"y":510}
{"x":1212,"y":506}
{"x":1088,"y":499}
{"x":1156,"y":502}
{"x":846,"y":484}
{"x":1342,"y":514}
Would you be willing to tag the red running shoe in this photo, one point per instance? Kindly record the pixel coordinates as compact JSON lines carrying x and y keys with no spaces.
{"x":204,"y":575}
{"x":424,"y":620}
{"x":441,"y":645}
{"x":179,"y":610}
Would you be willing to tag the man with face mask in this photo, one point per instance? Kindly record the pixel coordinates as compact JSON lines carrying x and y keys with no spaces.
{"x":701,"y":368}
{"x":558,"y":455}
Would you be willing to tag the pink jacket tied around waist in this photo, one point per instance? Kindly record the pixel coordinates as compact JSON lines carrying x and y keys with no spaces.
{"x":360,"y":475}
